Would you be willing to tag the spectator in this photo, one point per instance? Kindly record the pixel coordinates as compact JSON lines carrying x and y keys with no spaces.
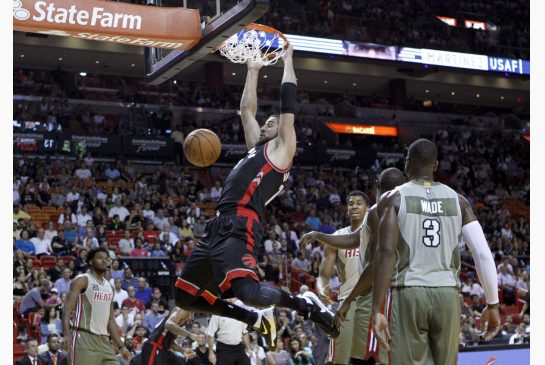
{"x":24,"y":244}
{"x":158,"y":250}
{"x":522,"y":283}
{"x":470,"y":336}
{"x":476,"y":306}
{"x":31,"y":357}
{"x":42,"y":245}
{"x":116,"y":224}
{"x":313,"y":220}
{"x":80,"y":264}
{"x":215,"y":192}
{"x":167,"y":237}
{"x":51,"y":323}
{"x":19,"y":213}
{"x":63,"y":284}
{"x":115,"y":271}
{"x":125,"y":319}
{"x":119,"y":293}
{"x":507,"y":282}
{"x":70,"y":233}
{"x":520,"y":335}
{"x":128,"y":278}
{"x":469,"y":287}
{"x":160,"y":220}
{"x":301,"y":262}
{"x":199,"y":227}
{"x":139,"y":250}
{"x":143,"y":291}
{"x":112,"y":172}
{"x":153,"y":317}
{"x":50,"y":232}
{"x":271,"y":242}
{"x":32,"y":301}
{"x":298,"y":355}
{"x":132,"y":301}
{"x":53,"y":355}
{"x":126,"y":244}
{"x":83,"y":217}
{"x":67,"y":215}
{"x":82,"y":173}
{"x":157,"y":298}
{"x":118,"y":210}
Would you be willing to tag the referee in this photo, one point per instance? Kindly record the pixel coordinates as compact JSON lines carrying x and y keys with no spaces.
{"x":231,"y":343}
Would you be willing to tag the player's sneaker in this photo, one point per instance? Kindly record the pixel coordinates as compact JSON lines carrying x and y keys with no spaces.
{"x":320,"y":314}
{"x":266,"y":324}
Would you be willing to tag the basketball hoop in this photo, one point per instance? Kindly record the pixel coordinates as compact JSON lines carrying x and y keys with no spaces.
{"x":255,"y":42}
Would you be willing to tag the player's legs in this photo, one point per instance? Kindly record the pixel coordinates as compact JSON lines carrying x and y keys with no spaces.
{"x":409,"y":326}
{"x":89,"y":349}
{"x":445,"y":326}
{"x":365,"y":344}
{"x":340,"y":348}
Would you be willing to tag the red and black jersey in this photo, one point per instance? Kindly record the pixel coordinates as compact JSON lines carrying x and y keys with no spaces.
{"x":252,"y":184}
{"x":161,"y":336}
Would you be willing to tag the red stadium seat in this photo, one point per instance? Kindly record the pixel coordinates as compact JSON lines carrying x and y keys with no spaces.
{"x":48,"y":262}
{"x":66,"y":259}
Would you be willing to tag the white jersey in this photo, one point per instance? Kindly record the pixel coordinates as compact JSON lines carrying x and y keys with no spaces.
{"x":364,"y":242}
{"x":347,"y":262}
{"x":93,"y":306}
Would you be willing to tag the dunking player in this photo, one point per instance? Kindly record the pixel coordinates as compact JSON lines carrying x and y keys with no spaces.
{"x":224,"y":261}
{"x":92,"y":296}
{"x":357,"y":315}
{"x":421,"y":223}
{"x":347,"y":264}
{"x":156,"y":350}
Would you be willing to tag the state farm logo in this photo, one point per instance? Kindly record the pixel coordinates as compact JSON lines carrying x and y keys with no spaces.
{"x":96,"y":17}
{"x":19,"y":12}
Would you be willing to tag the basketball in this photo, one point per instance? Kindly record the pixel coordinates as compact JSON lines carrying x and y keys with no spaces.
{"x":202,"y":147}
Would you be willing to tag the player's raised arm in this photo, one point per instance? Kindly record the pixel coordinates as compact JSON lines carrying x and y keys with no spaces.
{"x":287,"y":140}
{"x":248,"y":105}
{"x":339,"y":241}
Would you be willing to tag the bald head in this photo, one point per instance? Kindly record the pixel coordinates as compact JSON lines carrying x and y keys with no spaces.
{"x":389,"y":179}
{"x":421,"y":159}
{"x":423,"y":151}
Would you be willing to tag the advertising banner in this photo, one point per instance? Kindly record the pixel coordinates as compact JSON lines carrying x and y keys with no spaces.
{"x":34,"y":142}
{"x":139,"y":25}
{"x":145,"y":147}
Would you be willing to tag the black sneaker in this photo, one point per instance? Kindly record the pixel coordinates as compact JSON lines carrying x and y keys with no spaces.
{"x":319,"y":314}
{"x":267,"y":327}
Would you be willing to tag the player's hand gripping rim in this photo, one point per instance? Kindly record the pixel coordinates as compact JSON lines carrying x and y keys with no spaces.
{"x":380,"y":326}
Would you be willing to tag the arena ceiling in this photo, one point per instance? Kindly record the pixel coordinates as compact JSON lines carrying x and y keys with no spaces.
{"x":315,"y":72}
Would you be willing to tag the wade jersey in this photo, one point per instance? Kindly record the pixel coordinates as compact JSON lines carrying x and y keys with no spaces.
{"x":93,"y":306}
{"x":347,"y":262}
{"x":430,"y":229}
{"x":252,"y":184}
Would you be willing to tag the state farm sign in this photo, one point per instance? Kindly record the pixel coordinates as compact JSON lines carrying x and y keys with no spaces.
{"x":141,"y":25}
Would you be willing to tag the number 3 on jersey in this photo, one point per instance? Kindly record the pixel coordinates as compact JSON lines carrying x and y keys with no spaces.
{"x":432,"y":228}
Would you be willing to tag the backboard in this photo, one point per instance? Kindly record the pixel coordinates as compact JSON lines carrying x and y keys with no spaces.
{"x":220,"y":20}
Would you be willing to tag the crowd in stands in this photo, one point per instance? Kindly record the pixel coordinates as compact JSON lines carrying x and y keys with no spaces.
{"x":400,"y":23}
{"x":63,"y":208}
{"x":411,"y":23}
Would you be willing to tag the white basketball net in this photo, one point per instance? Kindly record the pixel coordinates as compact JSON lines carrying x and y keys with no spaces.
{"x":250,"y":46}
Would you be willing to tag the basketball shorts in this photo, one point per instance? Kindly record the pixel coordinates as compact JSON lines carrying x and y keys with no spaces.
{"x":154,"y":354}
{"x":356,"y":339}
{"x":91,"y":349}
{"x":226,"y":252}
{"x":425,"y":326}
